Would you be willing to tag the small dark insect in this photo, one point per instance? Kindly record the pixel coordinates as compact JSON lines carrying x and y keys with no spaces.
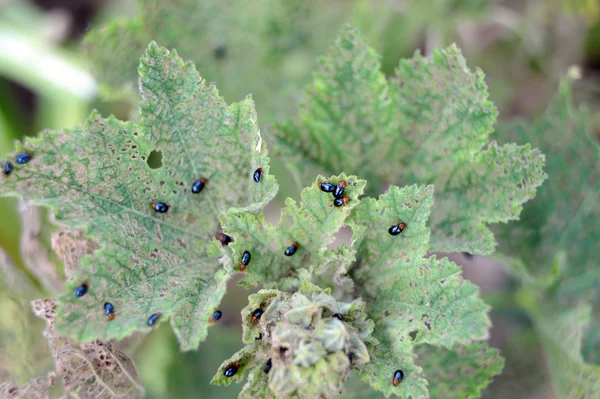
{"x":291,"y":249}
{"x":216,"y":316}
{"x":397,"y":229}
{"x":245,"y":260}
{"x":341,"y":201}
{"x":397,"y":378}
{"x":230,"y":371}
{"x":268,"y":366}
{"x":339,"y":189}
{"x":152,"y":319}
{"x":224,"y":239}
{"x":327,"y":187}
{"x":468,"y":255}
{"x":220,"y":51}
{"x":159,"y":207}
{"x":109,"y":308}
{"x":350,"y":358}
{"x":81,"y":290}
{"x":111,"y":316}
{"x":8,"y":168}
{"x":23,"y":158}
{"x":256,"y":315}
{"x":338,"y":316}
{"x":198,"y":185}
{"x":257,"y":175}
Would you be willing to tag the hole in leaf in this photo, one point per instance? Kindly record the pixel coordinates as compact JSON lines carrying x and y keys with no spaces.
{"x":342,"y":237}
{"x":413,"y":334}
{"x":155,"y":160}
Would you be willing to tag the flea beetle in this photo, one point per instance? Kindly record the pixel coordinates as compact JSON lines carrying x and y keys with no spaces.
{"x":159,"y":207}
{"x":216,"y":316}
{"x":109,"y":308}
{"x":224,"y":239}
{"x":397,"y":378}
{"x":220,"y":51}
{"x":245,"y":260}
{"x":23,"y":158}
{"x":338,"y":316}
{"x":230,"y":371}
{"x":256,"y":315}
{"x":397,"y":229}
{"x":339,"y":189}
{"x":152,"y":319}
{"x":268,"y":366}
{"x":339,"y":201}
{"x":327,"y":187}
{"x":291,"y":249}
{"x":8,"y":168}
{"x":198,"y":185}
{"x":81,"y":290}
{"x":257,"y":175}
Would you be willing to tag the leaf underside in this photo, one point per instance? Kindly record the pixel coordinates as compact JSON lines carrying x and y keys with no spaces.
{"x":97,"y":177}
{"x":430,"y":124}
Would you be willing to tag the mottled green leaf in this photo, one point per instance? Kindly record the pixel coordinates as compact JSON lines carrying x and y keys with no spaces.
{"x":97,"y":177}
{"x":560,"y":333}
{"x":560,"y":229}
{"x":461,"y":372}
{"x":412,"y":299}
{"x":267,"y":49}
{"x":428,"y":125}
{"x":312,"y":224}
{"x":348,"y":120}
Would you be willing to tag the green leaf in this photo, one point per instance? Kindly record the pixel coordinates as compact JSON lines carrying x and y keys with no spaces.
{"x":312,"y":224}
{"x":556,"y":241}
{"x":560,"y":333}
{"x":429,"y":125}
{"x":461,"y":372}
{"x":561,"y":224}
{"x":267,"y":49}
{"x":412,"y":299}
{"x":97,"y":177}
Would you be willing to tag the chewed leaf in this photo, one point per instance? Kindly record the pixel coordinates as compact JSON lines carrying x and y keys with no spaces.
{"x":97,"y":177}
{"x":405,"y":209}
{"x":71,"y":246}
{"x":347,"y":121}
{"x":311,"y":225}
{"x":429,"y":125}
{"x":461,"y":372}
{"x":412,"y":299}
{"x":391,"y":354}
{"x":234,"y":369}
{"x":89,"y":370}
{"x":37,"y":388}
{"x":490,"y":189}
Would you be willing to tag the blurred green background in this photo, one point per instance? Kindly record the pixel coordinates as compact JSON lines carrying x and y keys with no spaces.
{"x":47,"y":80}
